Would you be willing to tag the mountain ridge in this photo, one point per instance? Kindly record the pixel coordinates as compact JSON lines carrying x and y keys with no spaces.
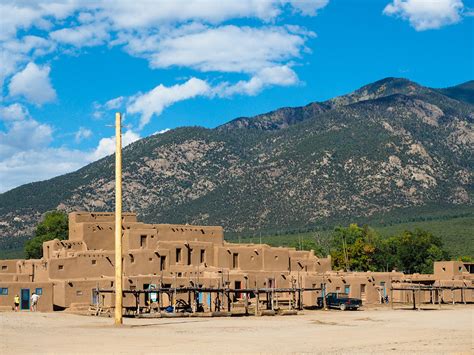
{"x":387,"y":146}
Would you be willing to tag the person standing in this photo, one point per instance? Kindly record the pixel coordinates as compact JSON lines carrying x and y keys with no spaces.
{"x":34,"y":301}
{"x":16,"y":302}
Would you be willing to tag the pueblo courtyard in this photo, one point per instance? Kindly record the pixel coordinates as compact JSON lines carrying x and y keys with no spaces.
{"x":186,"y":290}
{"x":379,"y":330}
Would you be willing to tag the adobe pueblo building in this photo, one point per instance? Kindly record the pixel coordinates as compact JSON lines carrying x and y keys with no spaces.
{"x":194,"y":268}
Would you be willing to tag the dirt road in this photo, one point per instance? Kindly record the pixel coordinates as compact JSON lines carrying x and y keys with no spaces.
{"x":371,"y":331}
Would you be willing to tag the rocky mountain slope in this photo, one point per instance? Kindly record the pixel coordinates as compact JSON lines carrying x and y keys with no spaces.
{"x":389,"y":147}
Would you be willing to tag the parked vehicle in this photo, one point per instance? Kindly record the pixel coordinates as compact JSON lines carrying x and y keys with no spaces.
{"x":339,"y":300}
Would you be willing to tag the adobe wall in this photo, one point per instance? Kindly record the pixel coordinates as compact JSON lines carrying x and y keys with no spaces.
{"x":184,"y":255}
{"x":8,"y":266}
{"x":449,"y":269}
{"x":45,"y":303}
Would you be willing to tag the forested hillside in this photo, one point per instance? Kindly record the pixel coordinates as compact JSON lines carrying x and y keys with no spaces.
{"x":390,"y":151}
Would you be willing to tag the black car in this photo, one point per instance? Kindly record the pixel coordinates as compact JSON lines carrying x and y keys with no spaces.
{"x":339,"y":300}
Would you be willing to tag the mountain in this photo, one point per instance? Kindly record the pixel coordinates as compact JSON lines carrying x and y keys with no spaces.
{"x":392,"y":149}
{"x":462,"y":92}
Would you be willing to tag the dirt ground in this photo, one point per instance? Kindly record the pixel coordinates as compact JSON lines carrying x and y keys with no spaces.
{"x":449,"y":330}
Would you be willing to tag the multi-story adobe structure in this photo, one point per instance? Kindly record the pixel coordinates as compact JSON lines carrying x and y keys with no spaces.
{"x":176,"y":256}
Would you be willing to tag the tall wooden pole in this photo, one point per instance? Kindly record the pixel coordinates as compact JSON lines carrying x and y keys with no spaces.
{"x":118,"y":220}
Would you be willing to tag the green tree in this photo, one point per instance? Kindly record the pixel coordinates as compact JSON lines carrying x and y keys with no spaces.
{"x":53,"y":226}
{"x":355,"y":248}
{"x":417,"y":250}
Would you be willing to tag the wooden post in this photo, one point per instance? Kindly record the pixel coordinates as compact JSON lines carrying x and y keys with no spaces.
{"x":414,"y":302}
{"x":419,"y":298}
{"x":258,"y":301}
{"x":391,"y":297}
{"x":246,"y":297}
{"x":118,"y":220}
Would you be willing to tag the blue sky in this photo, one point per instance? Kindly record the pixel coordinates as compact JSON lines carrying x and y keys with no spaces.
{"x":67,"y":66}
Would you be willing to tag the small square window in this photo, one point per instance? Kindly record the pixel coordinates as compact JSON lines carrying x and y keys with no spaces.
{"x":4,"y":267}
{"x":39,"y":291}
{"x":94,"y":262}
{"x":60,"y":267}
{"x":78,"y":293}
{"x":3,"y":291}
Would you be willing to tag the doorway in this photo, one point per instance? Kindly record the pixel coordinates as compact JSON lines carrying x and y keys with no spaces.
{"x":238,"y":286}
{"x":25,"y":299}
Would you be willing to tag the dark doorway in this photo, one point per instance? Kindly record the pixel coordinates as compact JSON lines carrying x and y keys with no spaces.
{"x":238,"y":286}
{"x":25,"y":298}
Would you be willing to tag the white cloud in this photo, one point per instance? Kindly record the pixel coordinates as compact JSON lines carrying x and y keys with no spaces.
{"x":162,"y":131}
{"x":82,"y":36}
{"x":13,"y":112}
{"x":153,"y":102}
{"x":308,"y":7}
{"x":17,"y":15}
{"x":278,"y":75}
{"x":39,"y":164}
{"x":24,"y":135}
{"x":166,"y":33}
{"x":107,"y":145}
{"x":114,"y":103}
{"x":26,"y":154}
{"x":139,"y":13}
{"x":426,"y":14}
{"x":82,"y":133}
{"x":156,"y":100}
{"x":225,"y":49}
{"x":14,"y":52}
{"x":34,"y":84}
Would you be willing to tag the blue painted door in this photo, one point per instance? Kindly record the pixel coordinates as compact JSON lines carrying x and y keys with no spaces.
{"x":25,"y":298}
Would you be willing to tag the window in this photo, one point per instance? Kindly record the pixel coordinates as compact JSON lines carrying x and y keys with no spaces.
{"x":203,"y":256}
{"x":4,"y":267}
{"x":78,"y":293}
{"x":39,"y":291}
{"x":94,"y":262}
{"x":60,"y":267}
{"x":162,"y":263}
{"x":235,"y":260}
{"x":347,"y":289}
{"x":132,"y":258}
{"x":3,"y":291}
{"x":142,"y":241}
{"x":178,"y":255}
{"x":460,"y":269}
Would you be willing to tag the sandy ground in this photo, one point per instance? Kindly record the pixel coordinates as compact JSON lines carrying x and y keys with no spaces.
{"x":449,"y":330}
